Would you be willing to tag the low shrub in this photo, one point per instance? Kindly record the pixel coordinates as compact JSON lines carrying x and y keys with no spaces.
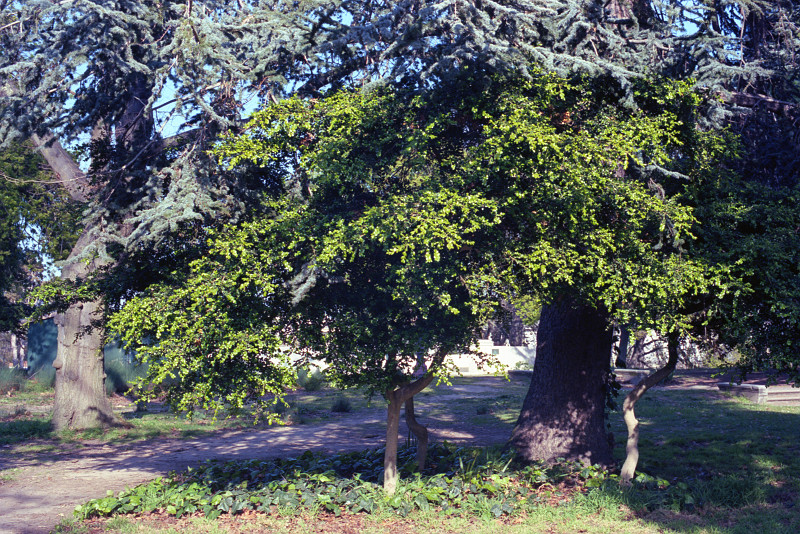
{"x":43,"y":378}
{"x":280,"y":408}
{"x":120,"y":376}
{"x":11,"y":379}
{"x":341,"y":405}
{"x":310,"y":380}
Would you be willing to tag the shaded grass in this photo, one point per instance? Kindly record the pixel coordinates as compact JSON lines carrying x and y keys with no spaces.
{"x":17,"y":430}
{"x":727,"y":451}
{"x":716,"y":465}
{"x":732,"y":467}
{"x":16,"y":389}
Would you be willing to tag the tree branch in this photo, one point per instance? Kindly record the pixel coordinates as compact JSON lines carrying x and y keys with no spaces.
{"x":67,"y":171}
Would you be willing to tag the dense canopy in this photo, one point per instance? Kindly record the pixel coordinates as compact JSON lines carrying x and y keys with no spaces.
{"x":403,"y":222}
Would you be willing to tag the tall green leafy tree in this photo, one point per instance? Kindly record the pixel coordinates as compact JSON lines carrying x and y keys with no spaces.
{"x":741,"y":52}
{"x":403,"y":223}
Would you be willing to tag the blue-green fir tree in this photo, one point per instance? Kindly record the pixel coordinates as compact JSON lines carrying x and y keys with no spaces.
{"x":139,"y":90}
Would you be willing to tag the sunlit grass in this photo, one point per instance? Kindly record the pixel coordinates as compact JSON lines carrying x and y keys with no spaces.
{"x":733,"y":466}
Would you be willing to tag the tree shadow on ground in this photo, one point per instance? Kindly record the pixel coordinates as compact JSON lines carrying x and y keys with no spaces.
{"x":730,"y":465}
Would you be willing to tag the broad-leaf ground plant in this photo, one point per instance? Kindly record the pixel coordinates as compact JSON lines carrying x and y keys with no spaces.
{"x":402,"y":223}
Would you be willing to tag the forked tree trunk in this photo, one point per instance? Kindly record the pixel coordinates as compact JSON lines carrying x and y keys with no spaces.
{"x":628,"y":414}
{"x":420,"y":432}
{"x":80,"y":396}
{"x":397,"y":397}
{"x":563,"y":414}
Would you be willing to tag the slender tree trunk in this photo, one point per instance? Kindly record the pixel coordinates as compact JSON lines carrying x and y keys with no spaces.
{"x":397,"y":397}
{"x":80,"y":397}
{"x":624,"y":341}
{"x":390,"y":476}
{"x":638,"y":354}
{"x":563,"y":415}
{"x":628,"y":414}
{"x":16,"y":352}
{"x":420,"y":432}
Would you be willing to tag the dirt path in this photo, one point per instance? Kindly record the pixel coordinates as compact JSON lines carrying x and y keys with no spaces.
{"x":42,"y":493}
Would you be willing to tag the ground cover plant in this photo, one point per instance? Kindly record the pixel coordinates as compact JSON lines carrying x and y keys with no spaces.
{"x":737,"y":470}
{"x":479,"y":481}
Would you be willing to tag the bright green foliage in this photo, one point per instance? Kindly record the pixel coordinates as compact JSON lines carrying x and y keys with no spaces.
{"x":754,"y":230}
{"x":212,"y":338}
{"x":582,"y":201}
{"x":464,"y":481}
{"x":405,"y":221}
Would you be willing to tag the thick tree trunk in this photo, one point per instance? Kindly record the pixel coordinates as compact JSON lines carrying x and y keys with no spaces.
{"x":563,"y":415}
{"x":80,"y":397}
{"x":628,"y":414}
{"x":420,"y":432}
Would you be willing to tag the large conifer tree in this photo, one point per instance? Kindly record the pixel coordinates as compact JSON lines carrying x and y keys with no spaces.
{"x":141,"y":90}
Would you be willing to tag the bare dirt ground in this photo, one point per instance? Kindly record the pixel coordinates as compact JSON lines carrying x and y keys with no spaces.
{"x":44,"y":491}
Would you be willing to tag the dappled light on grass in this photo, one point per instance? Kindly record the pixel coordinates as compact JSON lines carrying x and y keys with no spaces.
{"x":735,"y":463}
{"x":715,"y":465}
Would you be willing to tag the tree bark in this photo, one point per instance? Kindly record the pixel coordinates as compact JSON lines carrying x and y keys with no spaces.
{"x":80,"y":397}
{"x":629,"y":416}
{"x":16,"y":360}
{"x":390,"y":476}
{"x":420,"y":432}
{"x":396,"y":397}
{"x":563,"y":414}
{"x":624,"y":341}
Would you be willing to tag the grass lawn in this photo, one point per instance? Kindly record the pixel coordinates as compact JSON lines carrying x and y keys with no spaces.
{"x":712,"y":464}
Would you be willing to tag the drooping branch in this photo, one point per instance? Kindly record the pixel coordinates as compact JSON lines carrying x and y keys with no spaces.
{"x":628,"y":414}
{"x":761,"y":101}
